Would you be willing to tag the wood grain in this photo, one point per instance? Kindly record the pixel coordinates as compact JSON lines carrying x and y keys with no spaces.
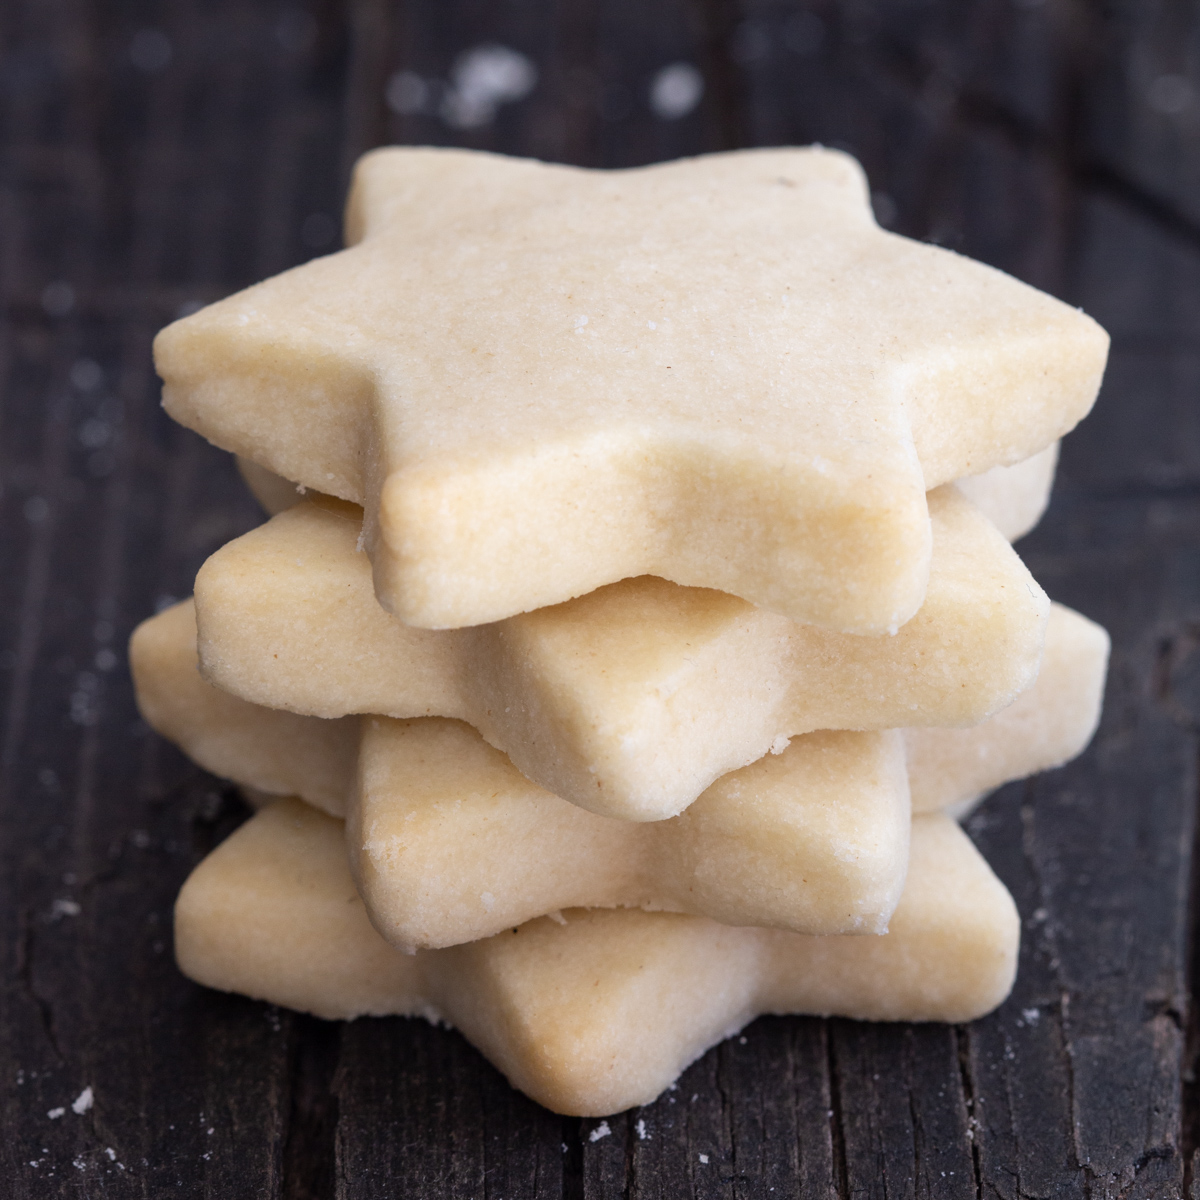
{"x":149,"y":181}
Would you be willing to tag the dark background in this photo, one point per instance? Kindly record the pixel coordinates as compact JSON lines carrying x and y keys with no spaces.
{"x":158,"y":155}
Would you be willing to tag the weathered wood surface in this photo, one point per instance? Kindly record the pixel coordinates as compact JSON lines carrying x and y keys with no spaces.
{"x":159,"y":155}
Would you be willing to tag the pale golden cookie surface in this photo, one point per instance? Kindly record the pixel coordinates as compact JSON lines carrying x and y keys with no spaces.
{"x":539,"y":380}
{"x":603,"y":1011}
{"x":450,"y":843}
{"x":1013,"y":498}
{"x":629,"y":701}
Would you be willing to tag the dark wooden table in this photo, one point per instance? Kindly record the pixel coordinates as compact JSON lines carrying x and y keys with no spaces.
{"x":161,"y":153}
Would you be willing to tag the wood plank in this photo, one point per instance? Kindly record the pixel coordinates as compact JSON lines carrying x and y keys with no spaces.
{"x":1142,"y":103}
{"x":208,"y":173}
{"x":446,"y":1123}
{"x":190,"y":1089}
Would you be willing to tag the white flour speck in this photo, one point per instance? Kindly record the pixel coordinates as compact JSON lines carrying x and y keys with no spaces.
{"x":675,"y":91}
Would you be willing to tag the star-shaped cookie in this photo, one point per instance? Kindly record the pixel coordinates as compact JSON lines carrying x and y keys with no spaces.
{"x":1013,"y":498}
{"x":281,"y":753}
{"x":631,"y":700}
{"x":450,"y":843}
{"x":603,"y":1010}
{"x":539,"y":379}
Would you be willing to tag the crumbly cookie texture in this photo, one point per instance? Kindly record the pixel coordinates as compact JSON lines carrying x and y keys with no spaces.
{"x":595,"y":1011}
{"x":629,"y":701}
{"x":449,"y":842}
{"x":538,"y":380}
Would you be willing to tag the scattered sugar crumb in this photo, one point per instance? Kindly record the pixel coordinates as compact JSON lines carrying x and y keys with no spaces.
{"x":482,"y":78}
{"x":64,"y":908}
{"x":557,"y":917}
{"x":704,"y":1159}
{"x":742,"y":1041}
{"x":1031,"y":1015}
{"x":489,"y":901}
{"x":675,"y":91}
{"x":301,"y":489}
{"x":651,"y":324}
{"x":55,"y":1113}
{"x":82,"y":1102}
{"x":780,"y":744}
{"x":112,"y":1154}
{"x":643,"y":1136}
{"x":580,"y":322}
{"x":601,"y":1131}
{"x":361,"y":544}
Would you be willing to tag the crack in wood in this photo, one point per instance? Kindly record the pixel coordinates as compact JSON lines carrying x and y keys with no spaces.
{"x":1079,"y":1159}
{"x":24,"y":974}
{"x":572,"y":1143}
{"x":1190,"y":1087}
{"x":837,"y":1135}
{"x":962,"y":1039}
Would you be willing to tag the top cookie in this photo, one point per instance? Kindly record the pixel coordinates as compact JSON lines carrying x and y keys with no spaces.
{"x":538,"y":379}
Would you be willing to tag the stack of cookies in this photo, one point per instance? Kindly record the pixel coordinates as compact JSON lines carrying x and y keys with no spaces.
{"x":637,"y":615}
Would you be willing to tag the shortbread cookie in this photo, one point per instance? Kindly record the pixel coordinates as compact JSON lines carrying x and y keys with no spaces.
{"x":450,"y":843}
{"x":1012,"y":498}
{"x":274,"y":752}
{"x":1043,"y":728}
{"x":280,"y":753}
{"x":629,"y":701}
{"x":275,"y":493}
{"x":457,"y":844}
{"x":539,"y":380}
{"x":592,"y":1012}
